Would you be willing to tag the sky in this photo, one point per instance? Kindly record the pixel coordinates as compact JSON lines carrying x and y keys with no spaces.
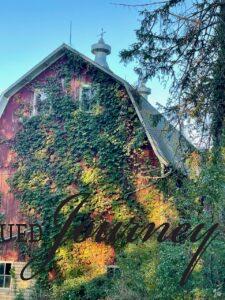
{"x":30,"y":30}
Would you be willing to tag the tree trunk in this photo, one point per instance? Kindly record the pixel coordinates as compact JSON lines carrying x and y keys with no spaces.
{"x":218,"y":86}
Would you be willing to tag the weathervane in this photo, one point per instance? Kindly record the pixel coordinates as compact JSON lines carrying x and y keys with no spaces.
{"x":102,"y":33}
{"x":71,"y":25}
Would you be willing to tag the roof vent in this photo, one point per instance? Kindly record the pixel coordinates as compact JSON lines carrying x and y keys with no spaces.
{"x":143,"y":89}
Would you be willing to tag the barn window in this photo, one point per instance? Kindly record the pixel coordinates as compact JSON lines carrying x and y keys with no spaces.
{"x":5,"y":275}
{"x":38,"y":97}
{"x":86,"y":98}
{"x":63,"y":84}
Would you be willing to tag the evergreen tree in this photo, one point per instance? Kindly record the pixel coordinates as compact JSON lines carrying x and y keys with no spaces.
{"x":185,"y":41}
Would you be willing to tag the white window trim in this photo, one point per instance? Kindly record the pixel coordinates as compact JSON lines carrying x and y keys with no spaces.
{"x":83,"y":85}
{"x":37,"y":93}
{"x":34,"y":104}
{"x":62,"y":80}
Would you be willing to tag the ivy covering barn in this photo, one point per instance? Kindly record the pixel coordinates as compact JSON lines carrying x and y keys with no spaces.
{"x":71,"y":126}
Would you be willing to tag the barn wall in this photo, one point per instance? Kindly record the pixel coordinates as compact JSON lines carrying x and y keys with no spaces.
{"x":9,"y":125}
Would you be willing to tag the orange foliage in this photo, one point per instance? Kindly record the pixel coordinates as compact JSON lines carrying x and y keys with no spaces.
{"x":93,"y":253}
{"x":88,"y":259}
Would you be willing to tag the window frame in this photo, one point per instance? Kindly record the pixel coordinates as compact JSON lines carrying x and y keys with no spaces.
{"x":5,"y":275}
{"x":34,"y":104}
{"x":36,"y":94}
{"x":81,"y":103}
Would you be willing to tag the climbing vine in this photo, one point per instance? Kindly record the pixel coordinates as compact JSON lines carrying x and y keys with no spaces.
{"x":66,"y":150}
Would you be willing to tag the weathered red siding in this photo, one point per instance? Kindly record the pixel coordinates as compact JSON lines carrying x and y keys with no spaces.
{"x":9,"y":125}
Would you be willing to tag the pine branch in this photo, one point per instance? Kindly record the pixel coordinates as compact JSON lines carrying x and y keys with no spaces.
{"x":139,"y":5}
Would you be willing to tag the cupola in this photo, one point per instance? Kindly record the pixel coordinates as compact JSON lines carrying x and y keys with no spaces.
{"x":101,"y":50}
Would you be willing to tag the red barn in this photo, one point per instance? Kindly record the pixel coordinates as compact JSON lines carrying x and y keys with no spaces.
{"x":164,"y":141}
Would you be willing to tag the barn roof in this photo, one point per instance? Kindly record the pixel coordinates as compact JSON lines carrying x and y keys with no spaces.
{"x":169,"y":145}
